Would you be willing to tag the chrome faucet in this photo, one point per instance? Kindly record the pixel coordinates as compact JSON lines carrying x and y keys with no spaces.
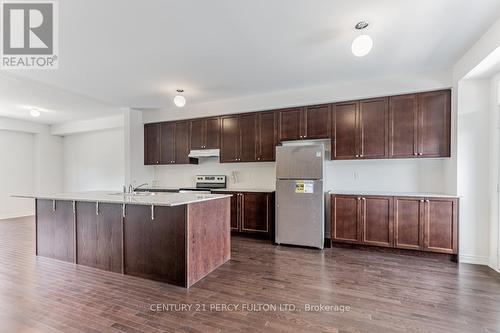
{"x":132,"y":189}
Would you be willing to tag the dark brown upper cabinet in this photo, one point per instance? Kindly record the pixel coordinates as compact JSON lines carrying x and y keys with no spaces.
{"x":373,"y":128}
{"x":167,"y":143}
{"x":345,"y":131}
{"x":152,"y":144}
{"x":266,"y":136}
{"x":360,"y":129}
{"x":434,"y":124}
{"x":182,"y":143}
{"x":305,"y":123}
{"x":230,"y":139}
{"x":289,"y":127}
{"x":403,"y":124}
{"x":205,"y":133}
{"x":419,"y":125}
{"x":248,"y":138}
{"x":317,"y":122}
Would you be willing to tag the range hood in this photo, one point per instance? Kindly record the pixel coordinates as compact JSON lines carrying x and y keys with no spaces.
{"x":198,"y":153}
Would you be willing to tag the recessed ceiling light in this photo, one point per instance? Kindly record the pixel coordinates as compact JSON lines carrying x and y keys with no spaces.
{"x":361,"y":45}
{"x":179,"y":100}
{"x":34,"y":112}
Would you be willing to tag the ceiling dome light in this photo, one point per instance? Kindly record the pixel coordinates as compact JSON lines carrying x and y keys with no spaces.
{"x":361,"y":45}
{"x":35,"y":113}
{"x":179,"y":100}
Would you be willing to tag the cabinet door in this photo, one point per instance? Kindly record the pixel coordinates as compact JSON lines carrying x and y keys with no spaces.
{"x":197,"y":133}
{"x":182,"y":142}
{"x":167,"y":143}
{"x":151,"y":144}
{"x":440,"y":225}
{"x":346,"y":218}
{"x":290,"y":124}
{"x":266,"y":135}
{"x":434,"y":124}
{"x":248,"y":138}
{"x":230,"y":139}
{"x":318,"y":122}
{"x":55,"y":230}
{"x":373,"y":128}
{"x":155,"y":249}
{"x":212,"y":133}
{"x":403,"y":124}
{"x":255,"y":212}
{"x":345,"y":128}
{"x":408,"y":223}
{"x":99,"y":236}
{"x":377,"y":220}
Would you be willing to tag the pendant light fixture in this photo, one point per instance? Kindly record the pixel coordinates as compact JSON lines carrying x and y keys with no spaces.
{"x":179,"y":100}
{"x":361,"y":45}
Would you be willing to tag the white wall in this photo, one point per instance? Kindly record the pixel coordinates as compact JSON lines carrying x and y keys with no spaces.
{"x":94,"y":161}
{"x":494,"y":171}
{"x":17,"y":172}
{"x":473,"y":163}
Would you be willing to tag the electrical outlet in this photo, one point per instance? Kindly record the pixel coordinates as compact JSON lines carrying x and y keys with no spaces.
{"x":355,"y":175}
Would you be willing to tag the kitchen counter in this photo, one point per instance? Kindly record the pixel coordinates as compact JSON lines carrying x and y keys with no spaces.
{"x":155,"y":199}
{"x":394,"y":194}
{"x":177,"y":238}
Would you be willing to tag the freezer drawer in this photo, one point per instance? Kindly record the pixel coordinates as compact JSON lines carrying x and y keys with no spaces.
{"x":300,"y":162}
{"x":300,"y":213}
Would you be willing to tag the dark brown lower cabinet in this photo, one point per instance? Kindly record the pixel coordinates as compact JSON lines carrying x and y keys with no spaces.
{"x":346,"y":218}
{"x":441,"y":225}
{"x":55,"y":229}
{"x":408,"y":223}
{"x":252,"y":212}
{"x":99,"y":236}
{"x":146,"y":240}
{"x":425,"y":224}
{"x":376,"y":219}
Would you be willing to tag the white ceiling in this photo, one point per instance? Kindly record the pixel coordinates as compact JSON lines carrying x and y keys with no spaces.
{"x":137,"y":53}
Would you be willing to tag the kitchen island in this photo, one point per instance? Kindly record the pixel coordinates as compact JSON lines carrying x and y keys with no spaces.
{"x":176,"y":238}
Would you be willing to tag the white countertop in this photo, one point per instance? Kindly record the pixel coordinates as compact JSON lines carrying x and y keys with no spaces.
{"x":264,"y":190}
{"x":157,"y":199}
{"x":166,"y":188}
{"x":394,"y":194}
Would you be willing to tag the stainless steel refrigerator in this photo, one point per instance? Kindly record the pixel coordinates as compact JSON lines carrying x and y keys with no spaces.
{"x":300,"y":201}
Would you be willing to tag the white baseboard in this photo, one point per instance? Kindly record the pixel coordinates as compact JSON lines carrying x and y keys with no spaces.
{"x":473,"y":259}
{"x":15,"y":215}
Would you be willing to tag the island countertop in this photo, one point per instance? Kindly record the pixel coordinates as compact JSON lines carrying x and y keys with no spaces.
{"x":155,"y":199}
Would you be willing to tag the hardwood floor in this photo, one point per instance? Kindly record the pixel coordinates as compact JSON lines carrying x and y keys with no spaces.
{"x":385,"y":292}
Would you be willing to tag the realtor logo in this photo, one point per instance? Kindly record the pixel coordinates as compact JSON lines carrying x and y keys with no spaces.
{"x":29,"y":35}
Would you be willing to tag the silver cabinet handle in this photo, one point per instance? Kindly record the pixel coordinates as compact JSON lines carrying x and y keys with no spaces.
{"x":53,"y":205}
{"x":123,"y":210}
{"x":357,"y":155}
{"x":427,"y":201}
{"x":415,"y":154}
{"x":97,"y":208}
{"x":152,"y":212}
{"x":74,"y":207}
{"x":364,"y":199}
{"x":420,"y":154}
{"x":421,"y":201}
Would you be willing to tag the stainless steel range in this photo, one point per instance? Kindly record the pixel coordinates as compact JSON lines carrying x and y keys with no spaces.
{"x":204,"y":184}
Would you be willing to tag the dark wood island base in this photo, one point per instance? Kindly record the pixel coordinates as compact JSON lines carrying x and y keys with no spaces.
{"x":175,"y":244}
